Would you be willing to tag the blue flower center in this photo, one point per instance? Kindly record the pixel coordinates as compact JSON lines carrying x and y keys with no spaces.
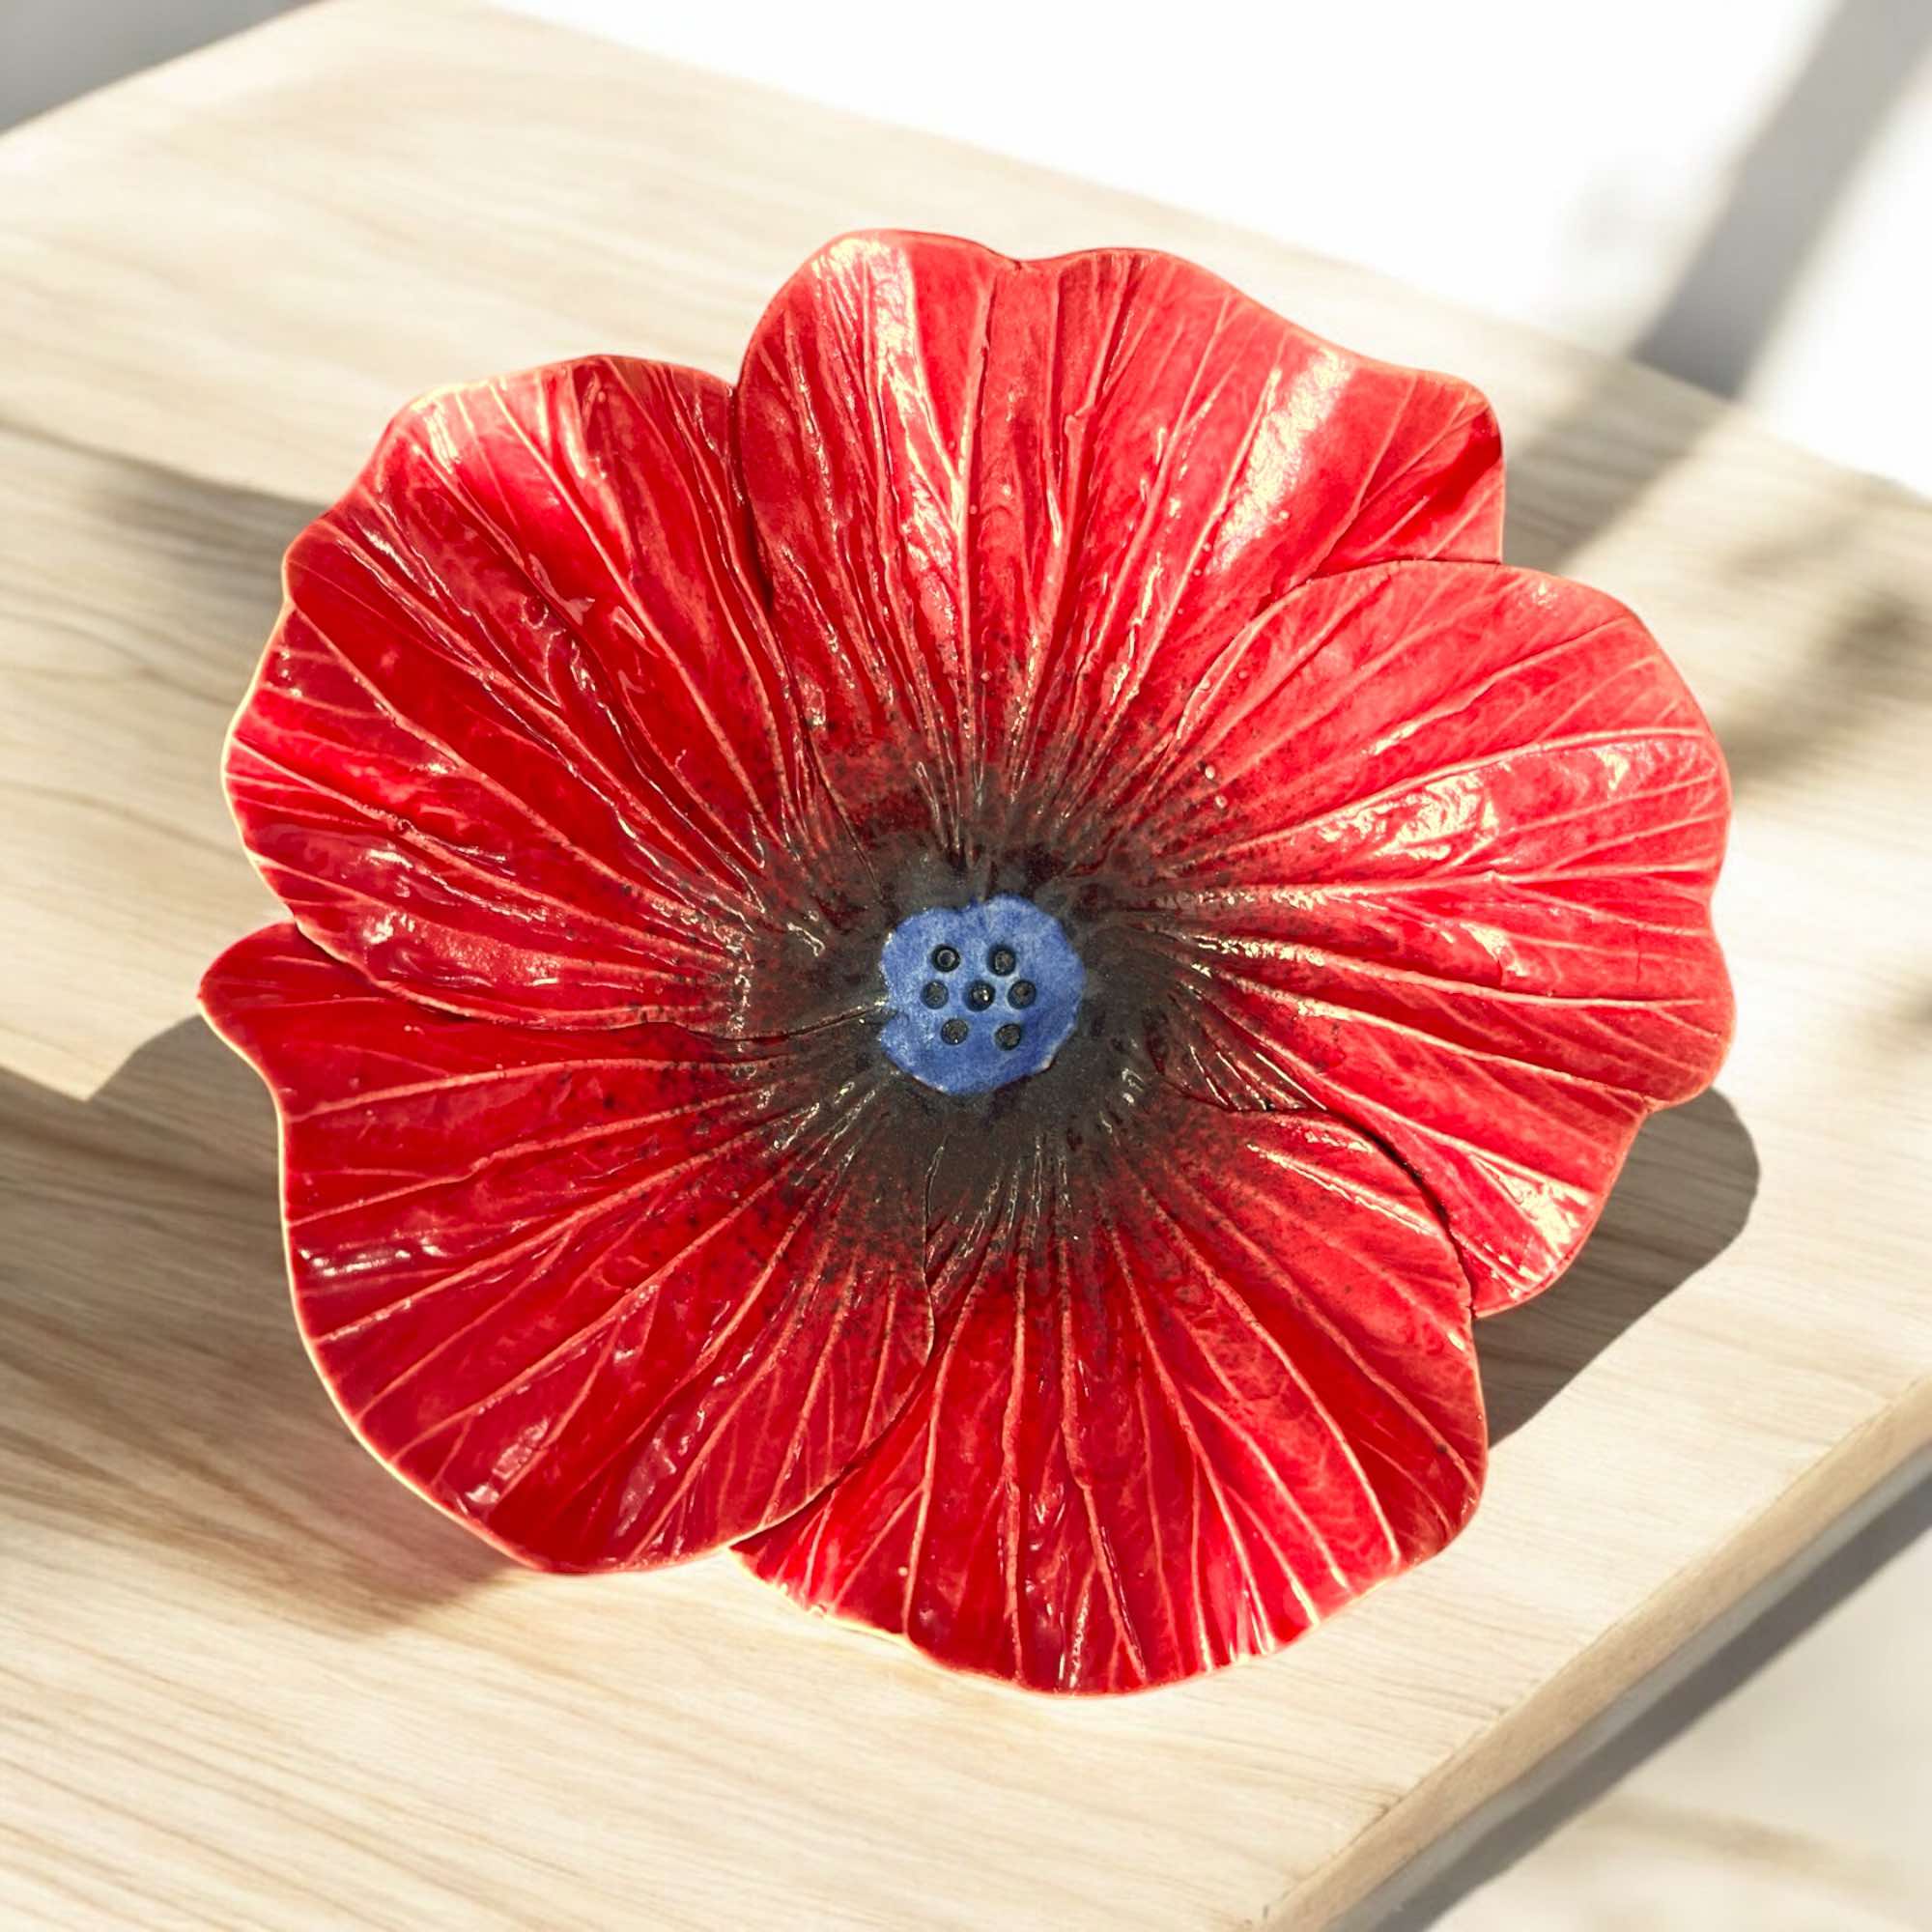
{"x":980,"y":995}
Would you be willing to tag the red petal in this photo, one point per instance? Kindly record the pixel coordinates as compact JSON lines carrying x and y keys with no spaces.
{"x":1010,"y":509}
{"x":1442,"y":840}
{"x":1191,"y":1403}
{"x":518,"y":745}
{"x":606,"y":1298}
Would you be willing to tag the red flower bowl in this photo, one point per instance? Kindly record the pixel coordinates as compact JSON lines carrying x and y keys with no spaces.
{"x":961,"y":964}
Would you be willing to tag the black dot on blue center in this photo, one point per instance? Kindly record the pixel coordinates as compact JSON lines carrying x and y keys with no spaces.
{"x":933,"y":993}
{"x":954,"y":1032}
{"x":945,"y":958}
{"x":979,"y":996}
{"x":1002,"y":959}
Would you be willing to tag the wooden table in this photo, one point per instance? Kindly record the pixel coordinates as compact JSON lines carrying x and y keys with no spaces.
{"x":247,"y":1680}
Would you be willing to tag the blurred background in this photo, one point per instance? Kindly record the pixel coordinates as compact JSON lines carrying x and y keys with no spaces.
{"x":1736,"y":194}
{"x":1741,"y":196}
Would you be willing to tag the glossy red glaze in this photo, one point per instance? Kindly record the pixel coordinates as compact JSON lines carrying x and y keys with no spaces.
{"x":1185,"y":1410}
{"x":519,"y":746}
{"x":610,"y":1298}
{"x":1012,"y":512}
{"x":614,"y":717}
{"x":1443,"y":865}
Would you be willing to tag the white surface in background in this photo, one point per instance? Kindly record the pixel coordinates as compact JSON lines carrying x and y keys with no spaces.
{"x":1797,"y":1805}
{"x":1556,"y":164}
{"x":1845,"y":370}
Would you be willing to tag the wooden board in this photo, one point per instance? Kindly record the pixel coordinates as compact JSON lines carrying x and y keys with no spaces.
{"x":247,"y":1681}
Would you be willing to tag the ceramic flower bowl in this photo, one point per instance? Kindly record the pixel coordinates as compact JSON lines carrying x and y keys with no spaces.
{"x":961,"y":965}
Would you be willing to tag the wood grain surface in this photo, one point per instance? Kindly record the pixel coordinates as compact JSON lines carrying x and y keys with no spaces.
{"x":245,"y":1679}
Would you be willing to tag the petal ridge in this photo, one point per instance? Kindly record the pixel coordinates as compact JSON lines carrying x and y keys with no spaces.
{"x":522,"y":745}
{"x":559,"y":1281}
{"x":1486,"y":939}
{"x":1010,"y":508}
{"x":1189,"y":1410}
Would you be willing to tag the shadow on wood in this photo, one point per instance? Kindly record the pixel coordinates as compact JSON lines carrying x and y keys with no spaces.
{"x":1869,"y":664}
{"x":153,"y":1387}
{"x":1683,"y":1198}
